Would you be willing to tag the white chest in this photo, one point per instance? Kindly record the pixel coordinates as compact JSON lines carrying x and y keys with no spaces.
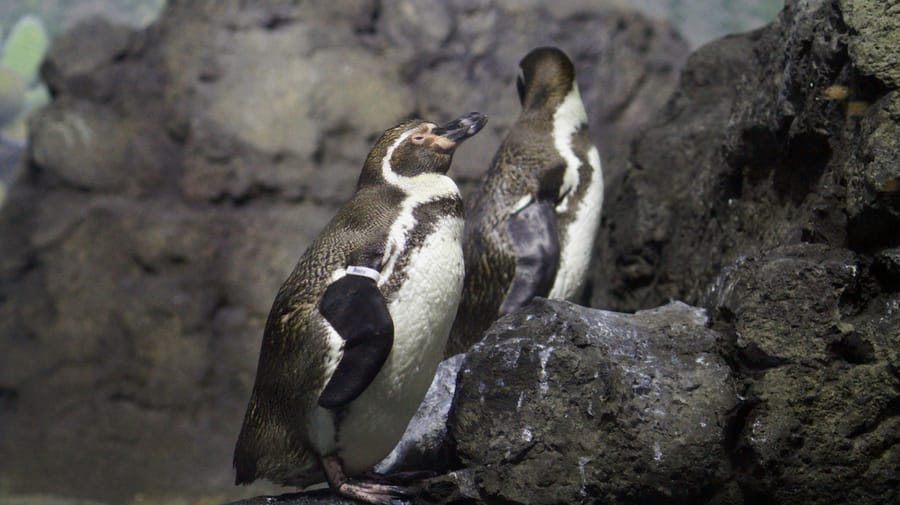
{"x":422,"y":310}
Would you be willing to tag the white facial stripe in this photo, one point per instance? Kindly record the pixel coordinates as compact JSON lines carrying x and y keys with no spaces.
{"x":387,"y":171}
{"x":566,"y":120}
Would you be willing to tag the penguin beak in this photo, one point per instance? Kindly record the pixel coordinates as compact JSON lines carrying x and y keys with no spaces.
{"x":461,"y":128}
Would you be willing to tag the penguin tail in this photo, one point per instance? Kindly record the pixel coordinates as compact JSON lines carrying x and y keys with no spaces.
{"x":244,"y":462}
{"x":245,"y":453}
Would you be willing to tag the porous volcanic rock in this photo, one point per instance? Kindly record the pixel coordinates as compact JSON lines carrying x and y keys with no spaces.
{"x":768,"y":192}
{"x":564,"y":404}
{"x":820,"y":349}
{"x":784,"y":135}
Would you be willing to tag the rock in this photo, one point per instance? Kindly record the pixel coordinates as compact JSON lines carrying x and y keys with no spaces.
{"x":10,"y":155}
{"x":873,"y":187}
{"x":83,"y":60}
{"x":783,"y":137}
{"x":417,"y":26}
{"x":45,"y":499}
{"x":425,"y":445}
{"x":822,"y":435}
{"x":309,"y":498}
{"x":820,"y":342}
{"x":92,"y":149}
{"x":875,"y":32}
{"x":778,"y":154}
{"x":565,"y":404}
{"x":787,"y":306}
{"x":888,"y":262}
{"x":180,"y":171}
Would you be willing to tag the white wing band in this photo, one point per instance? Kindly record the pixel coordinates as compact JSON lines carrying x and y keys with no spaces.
{"x":371,"y":273}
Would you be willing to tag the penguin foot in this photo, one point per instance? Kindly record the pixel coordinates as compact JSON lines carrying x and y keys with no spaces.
{"x":400,"y":478}
{"x":370,"y":492}
{"x":376,"y":493}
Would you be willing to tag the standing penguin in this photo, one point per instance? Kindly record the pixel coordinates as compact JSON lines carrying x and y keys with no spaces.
{"x":531,"y":227}
{"x":357,"y":330}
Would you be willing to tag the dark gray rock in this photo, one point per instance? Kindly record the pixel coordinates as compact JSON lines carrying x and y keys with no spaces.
{"x":84,"y":59}
{"x":10,"y":156}
{"x":789,"y":305}
{"x":784,"y":135}
{"x":323,"y":497}
{"x":45,"y":499}
{"x":822,"y":345}
{"x":768,"y":193}
{"x":562,"y":404}
{"x":181,"y":169}
{"x":426,"y":444}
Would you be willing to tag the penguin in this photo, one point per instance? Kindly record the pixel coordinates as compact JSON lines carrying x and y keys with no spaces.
{"x":531,"y":225}
{"x":356,"y":332}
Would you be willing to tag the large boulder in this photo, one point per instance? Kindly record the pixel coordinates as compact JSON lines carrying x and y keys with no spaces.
{"x":563,"y":404}
{"x":179,"y":172}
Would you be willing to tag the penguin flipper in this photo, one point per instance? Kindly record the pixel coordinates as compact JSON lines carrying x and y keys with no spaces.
{"x":356,"y":309}
{"x":536,"y":244}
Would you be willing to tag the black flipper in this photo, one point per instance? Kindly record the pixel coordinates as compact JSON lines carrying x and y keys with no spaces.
{"x":536,"y":244}
{"x":358,"y":312}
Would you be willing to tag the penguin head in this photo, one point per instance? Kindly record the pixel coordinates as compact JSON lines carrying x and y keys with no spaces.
{"x":418,"y":147}
{"x":547,"y":75}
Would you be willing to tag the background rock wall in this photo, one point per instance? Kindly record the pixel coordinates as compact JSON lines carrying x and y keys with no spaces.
{"x":179,"y":172}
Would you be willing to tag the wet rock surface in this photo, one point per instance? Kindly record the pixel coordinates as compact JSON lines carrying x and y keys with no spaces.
{"x":427,"y":442}
{"x":563,"y":404}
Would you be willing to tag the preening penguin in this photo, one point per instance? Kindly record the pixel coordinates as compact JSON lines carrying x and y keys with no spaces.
{"x":357,"y":330}
{"x":530,"y":230}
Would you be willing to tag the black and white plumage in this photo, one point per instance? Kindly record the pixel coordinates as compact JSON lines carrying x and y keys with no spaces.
{"x":357,"y":330}
{"x":531,"y":228}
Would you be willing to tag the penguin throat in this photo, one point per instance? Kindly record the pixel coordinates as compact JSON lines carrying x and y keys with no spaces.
{"x":419,"y":190}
